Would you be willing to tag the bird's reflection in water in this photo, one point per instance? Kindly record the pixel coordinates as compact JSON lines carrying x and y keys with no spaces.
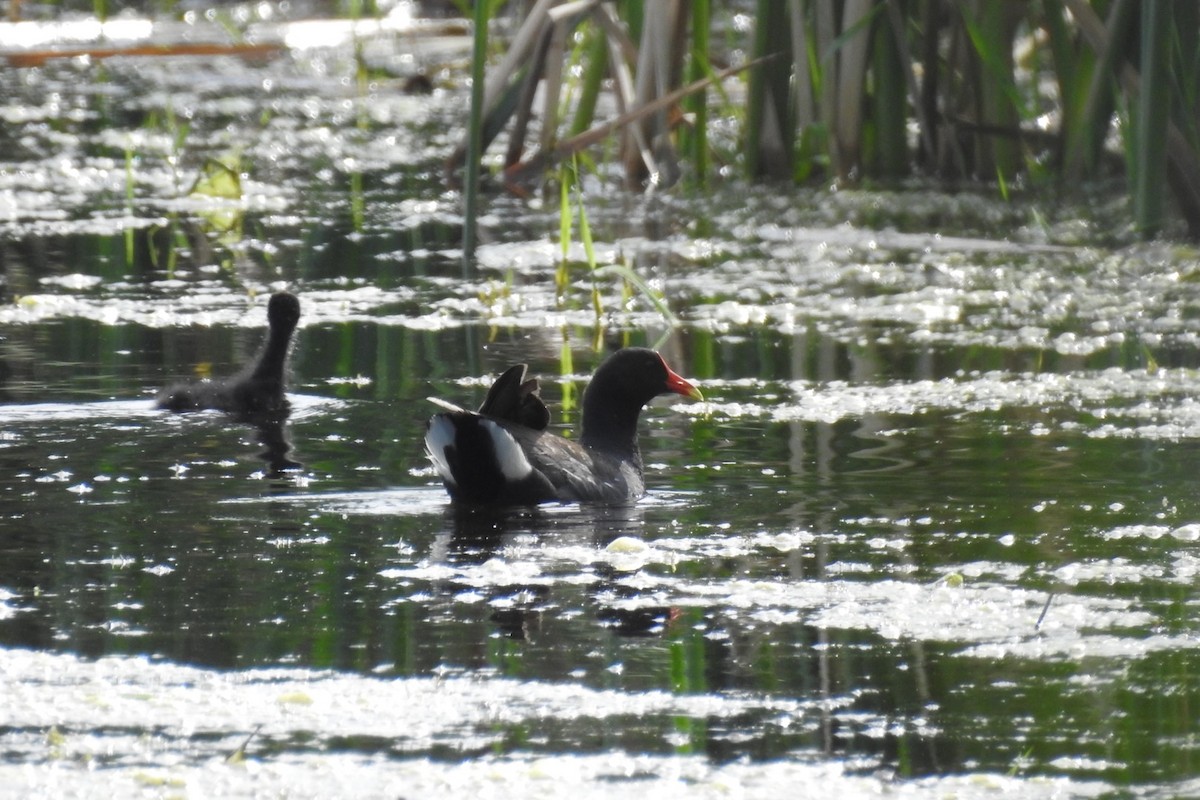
{"x":618,"y":601}
{"x":475,"y":535}
{"x":273,"y":435}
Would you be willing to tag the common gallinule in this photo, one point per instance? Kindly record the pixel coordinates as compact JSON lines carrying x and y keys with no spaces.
{"x":257,"y":389}
{"x":502,"y":455}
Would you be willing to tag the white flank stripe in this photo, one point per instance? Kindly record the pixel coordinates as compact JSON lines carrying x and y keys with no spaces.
{"x":439,"y":436}
{"x":509,"y":455}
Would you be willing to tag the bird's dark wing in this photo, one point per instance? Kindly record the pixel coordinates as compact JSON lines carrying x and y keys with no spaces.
{"x":512,"y":398}
{"x":579,"y":474}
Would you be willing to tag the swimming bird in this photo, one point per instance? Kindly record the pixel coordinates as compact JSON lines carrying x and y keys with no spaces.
{"x":502,"y":454}
{"x":257,"y":389}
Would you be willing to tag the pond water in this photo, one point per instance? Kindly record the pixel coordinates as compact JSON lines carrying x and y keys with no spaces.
{"x":933,"y":531}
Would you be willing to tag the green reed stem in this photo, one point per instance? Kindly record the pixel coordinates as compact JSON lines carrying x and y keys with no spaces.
{"x":129,"y":205}
{"x":770,"y":134}
{"x":657,"y":300}
{"x":890,"y":98}
{"x":561,"y":275}
{"x":1153,"y":107}
{"x":696,"y":141}
{"x":589,"y":250}
{"x":358,"y":206}
{"x":595,"y":69}
{"x":471,"y":171}
{"x":566,"y":366}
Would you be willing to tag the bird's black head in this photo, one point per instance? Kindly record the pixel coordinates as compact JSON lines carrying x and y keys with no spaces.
{"x":636,"y":375}
{"x":283,"y":310}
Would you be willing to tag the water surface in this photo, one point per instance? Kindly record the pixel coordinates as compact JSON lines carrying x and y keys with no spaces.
{"x":919,"y":437}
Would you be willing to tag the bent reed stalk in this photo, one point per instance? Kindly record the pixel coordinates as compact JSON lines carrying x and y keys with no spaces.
{"x":1002,"y":94}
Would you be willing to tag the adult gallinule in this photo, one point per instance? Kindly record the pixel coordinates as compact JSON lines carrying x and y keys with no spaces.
{"x":257,"y":389}
{"x":502,"y":455}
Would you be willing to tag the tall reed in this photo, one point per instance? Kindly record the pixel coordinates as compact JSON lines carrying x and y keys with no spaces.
{"x":1000,"y":93}
{"x":483,"y":11}
{"x":1149,"y":165}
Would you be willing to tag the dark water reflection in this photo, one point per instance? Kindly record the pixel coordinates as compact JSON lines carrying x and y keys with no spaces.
{"x":133,"y":532}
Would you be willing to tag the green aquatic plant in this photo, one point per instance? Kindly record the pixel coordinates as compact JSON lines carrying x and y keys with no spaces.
{"x":358,"y":202}
{"x":129,"y":193}
{"x":1004,"y":93}
{"x":566,"y":366}
{"x":475,"y":137}
{"x":575,"y":213}
{"x":589,"y":248}
{"x":626,"y":273}
{"x":238,"y":756}
{"x":569,"y":215}
{"x":592,"y":56}
{"x":572,"y":213}
{"x":694,"y":136}
{"x":221,"y":179}
{"x":646,"y":78}
{"x":162,"y":252}
{"x":1149,"y":166}
{"x":55,"y":742}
